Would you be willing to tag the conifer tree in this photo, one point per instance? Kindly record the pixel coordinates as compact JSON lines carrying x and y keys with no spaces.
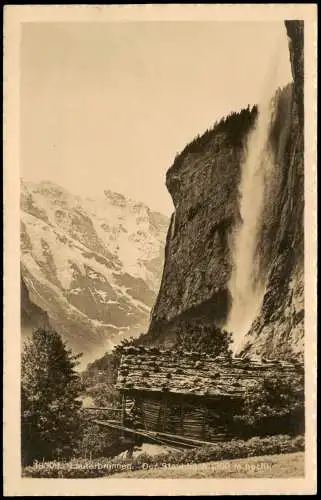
{"x":50,"y":410}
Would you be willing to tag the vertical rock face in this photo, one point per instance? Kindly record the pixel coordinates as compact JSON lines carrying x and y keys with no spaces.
{"x":203,"y":183}
{"x":279,"y":329}
{"x":295,"y":32}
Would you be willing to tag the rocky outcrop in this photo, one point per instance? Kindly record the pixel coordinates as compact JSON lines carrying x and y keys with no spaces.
{"x":203,"y":183}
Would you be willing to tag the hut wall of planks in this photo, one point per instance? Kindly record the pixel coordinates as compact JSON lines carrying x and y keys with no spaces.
{"x":188,"y":415}
{"x":190,"y":393}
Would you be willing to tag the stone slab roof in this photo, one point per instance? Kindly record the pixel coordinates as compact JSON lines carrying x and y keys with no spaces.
{"x":198,"y":374}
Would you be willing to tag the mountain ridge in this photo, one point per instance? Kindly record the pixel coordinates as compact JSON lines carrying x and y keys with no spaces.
{"x":92,"y":265}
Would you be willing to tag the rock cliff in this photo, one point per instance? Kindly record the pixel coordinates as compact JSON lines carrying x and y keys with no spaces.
{"x":203,"y":183}
{"x":278,"y":331}
{"x":295,"y":32}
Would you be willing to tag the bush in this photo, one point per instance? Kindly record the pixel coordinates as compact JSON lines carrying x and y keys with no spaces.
{"x":209,"y":339}
{"x":276,"y":406}
{"x":96,"y":441}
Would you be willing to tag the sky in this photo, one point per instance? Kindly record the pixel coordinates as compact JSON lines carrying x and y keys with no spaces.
{"x":109,"y":105}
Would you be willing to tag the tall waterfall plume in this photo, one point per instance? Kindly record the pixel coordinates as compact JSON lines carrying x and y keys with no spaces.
{"x":246,"y":284}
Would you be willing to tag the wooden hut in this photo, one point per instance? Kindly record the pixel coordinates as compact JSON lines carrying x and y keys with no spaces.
{"x":190,"y":394}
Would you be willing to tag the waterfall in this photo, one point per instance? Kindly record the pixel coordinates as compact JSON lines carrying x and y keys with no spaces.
{"x":247,"y":284}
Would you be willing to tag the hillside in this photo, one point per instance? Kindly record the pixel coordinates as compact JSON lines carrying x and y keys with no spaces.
{"x":89,"y":267}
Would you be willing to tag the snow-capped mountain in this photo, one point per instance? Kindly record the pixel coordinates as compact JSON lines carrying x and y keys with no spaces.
{"x":93,"y":265}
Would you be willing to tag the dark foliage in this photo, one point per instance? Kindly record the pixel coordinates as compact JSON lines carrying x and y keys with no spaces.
{"x":234,"y":127}
{"x":96,"y":440}
{"x":205,"y":338}
{"x":276,"y":406}
{"x":50,"y":409}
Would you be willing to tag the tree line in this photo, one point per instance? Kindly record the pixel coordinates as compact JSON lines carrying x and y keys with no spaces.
{"x":235,"y":127}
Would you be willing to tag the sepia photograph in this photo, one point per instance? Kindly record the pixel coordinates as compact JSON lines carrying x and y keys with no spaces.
{"x":165,"y":238}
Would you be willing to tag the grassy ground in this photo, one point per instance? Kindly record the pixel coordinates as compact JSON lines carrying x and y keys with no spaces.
{"x":271,"y":466}
{"x":270,"y":456}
